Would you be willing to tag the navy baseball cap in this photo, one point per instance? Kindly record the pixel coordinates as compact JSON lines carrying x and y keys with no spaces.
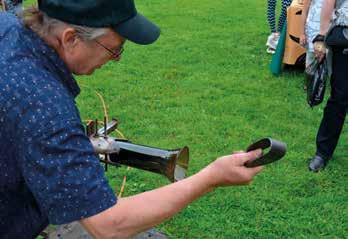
{"x":120,"y":15}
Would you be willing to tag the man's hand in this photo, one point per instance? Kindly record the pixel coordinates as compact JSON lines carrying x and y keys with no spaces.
{"x":303,"y":39}
{"x":319,"y":47}
{"x":230,"y":170}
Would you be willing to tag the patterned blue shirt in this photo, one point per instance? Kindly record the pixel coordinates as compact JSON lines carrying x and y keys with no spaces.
{"x":48,"y":170}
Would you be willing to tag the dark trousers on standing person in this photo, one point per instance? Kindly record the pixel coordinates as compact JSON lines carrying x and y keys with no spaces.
{"x":336,"y":107}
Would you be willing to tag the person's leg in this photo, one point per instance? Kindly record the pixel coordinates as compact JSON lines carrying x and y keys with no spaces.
{"x":336,"y":107}
{"x":282,"y":17}
{"x":271,"y":42}
{"x":271,"y":5}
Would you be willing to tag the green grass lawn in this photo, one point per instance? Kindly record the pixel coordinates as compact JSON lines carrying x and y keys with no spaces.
{"x":206,"y":84}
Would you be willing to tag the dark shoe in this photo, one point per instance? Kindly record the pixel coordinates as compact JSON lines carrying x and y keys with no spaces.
{"x":317,"y":163}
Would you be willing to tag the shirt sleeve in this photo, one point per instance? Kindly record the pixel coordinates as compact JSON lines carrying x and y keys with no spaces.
{"x":63,"y":173}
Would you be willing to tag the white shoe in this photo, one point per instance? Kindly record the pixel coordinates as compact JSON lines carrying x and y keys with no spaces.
{"x":275,"y":39}
{"x":269,"y":39}
{"x":272,"y":40}
{"x":270,"y":50}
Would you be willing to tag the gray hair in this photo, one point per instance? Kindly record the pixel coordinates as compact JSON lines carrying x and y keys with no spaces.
{"x":44,"y":25}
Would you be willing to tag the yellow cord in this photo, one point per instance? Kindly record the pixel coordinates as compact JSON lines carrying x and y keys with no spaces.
{"x":104,"y":105}
{"x":118,"y":131}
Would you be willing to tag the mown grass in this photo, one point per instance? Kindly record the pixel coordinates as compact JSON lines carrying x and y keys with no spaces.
{"x":206,"y":84}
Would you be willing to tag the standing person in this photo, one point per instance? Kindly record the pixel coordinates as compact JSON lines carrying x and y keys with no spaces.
{"x":49,"y":172}
{"x":310,"y":26}
{"x":273,"y":38}
{"x":337,"y":105}
{"x":12,"y":6}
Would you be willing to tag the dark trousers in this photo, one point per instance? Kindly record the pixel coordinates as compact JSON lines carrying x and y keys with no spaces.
{"x":336,"y":107}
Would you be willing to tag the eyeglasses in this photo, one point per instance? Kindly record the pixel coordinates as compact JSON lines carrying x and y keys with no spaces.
{"x":114,"y":54}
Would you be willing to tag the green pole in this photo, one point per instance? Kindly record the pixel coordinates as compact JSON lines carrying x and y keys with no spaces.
{"x":277,"y":58}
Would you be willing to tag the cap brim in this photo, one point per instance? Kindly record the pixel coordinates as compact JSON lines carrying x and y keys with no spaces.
{"x":138,"y":30}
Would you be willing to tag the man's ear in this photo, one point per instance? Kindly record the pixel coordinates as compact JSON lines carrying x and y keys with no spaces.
{"x":69,"y":39}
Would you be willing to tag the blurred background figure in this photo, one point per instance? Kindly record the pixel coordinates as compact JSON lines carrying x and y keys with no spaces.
{"x":310,"y":26}
{"x":334,"y":35}
{"x":273,"y":38}
{"x":12,"y":6}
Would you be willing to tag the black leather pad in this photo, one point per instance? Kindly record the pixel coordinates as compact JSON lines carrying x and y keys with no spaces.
{"x":277,"y":150}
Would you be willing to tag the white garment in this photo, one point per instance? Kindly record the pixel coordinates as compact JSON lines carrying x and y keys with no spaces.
{"x":340,"y":17}
{"x":313,"y":22}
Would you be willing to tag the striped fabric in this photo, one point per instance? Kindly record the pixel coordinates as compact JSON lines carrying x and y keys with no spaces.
{"x":271,"y":14}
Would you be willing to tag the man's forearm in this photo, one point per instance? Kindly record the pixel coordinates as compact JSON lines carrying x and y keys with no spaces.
{"x":140,"y":212}
{"x":304,"y":15}
{"x":326,"y":14}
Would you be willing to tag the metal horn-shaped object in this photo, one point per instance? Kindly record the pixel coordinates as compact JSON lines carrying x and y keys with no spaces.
{"x":171,"y":163}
